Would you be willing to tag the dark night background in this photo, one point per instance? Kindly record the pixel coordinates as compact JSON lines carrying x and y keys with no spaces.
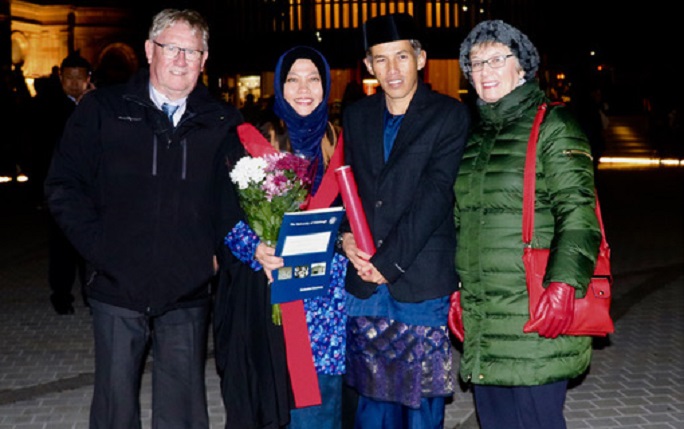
{"x":636,"y":44}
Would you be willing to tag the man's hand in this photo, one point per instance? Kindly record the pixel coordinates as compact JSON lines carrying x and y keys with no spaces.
{"x":372,"y":275}
{"x":361,"y":260}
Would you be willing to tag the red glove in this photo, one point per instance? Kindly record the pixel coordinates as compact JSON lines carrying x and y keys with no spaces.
{"x":455,"y":319}
{"x":554,"y":312}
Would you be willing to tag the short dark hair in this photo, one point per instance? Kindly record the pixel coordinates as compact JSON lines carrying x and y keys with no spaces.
{"x":75,"y":60}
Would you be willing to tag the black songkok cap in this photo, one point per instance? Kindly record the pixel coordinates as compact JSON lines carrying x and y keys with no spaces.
{"x":389,"y":28}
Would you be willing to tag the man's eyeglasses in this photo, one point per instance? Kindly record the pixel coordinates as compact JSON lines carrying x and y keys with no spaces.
{"x":494,"y":62}
{"x":171,"y":51}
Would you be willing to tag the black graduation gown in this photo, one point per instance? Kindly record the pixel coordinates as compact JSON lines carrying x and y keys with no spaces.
{"x":250,"y":351}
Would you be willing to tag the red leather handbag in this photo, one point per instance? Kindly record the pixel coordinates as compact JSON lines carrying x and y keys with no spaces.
{"x":592,"y":313}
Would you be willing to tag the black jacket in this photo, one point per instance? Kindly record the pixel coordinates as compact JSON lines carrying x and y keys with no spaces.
{"x":146,"y":204}
{"x":409,"y":199}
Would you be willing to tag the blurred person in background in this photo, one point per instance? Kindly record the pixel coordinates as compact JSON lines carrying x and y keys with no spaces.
{"x":54,"y":105}
{"x":250,"y":110}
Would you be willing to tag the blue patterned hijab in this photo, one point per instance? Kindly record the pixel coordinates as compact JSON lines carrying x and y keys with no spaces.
{"x":305,"y":132}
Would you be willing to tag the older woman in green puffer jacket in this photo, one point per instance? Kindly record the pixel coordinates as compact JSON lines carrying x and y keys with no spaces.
{"x":520,"y":379}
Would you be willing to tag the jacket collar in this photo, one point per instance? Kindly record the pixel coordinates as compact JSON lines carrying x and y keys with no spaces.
{"x":408,"y":130}
{"x":137,"y":89}
{"x":513,"y":105}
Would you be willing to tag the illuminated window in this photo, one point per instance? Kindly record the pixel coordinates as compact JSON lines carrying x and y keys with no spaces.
{"x":341,"y":14}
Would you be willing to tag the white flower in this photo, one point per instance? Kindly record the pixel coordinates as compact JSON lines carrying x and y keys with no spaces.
{"x":248,"y":170}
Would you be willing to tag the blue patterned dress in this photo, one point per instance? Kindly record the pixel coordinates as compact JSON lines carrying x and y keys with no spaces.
{"x":326,"y":316}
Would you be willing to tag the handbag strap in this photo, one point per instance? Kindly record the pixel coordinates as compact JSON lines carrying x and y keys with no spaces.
{"x":530,"y":180}
{"x":529,"y":177}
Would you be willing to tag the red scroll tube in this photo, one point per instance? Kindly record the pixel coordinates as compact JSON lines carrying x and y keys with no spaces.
{"x":354,"y":209}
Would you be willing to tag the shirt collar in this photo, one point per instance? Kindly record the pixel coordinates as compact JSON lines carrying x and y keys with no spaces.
{"x":158,"y":99}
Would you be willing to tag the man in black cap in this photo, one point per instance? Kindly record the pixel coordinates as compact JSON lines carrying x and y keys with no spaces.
{"x":404,"y":146}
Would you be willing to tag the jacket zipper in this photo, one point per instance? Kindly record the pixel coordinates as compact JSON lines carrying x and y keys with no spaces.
{"x":571,"y":152}
{"x":155,"y":150}
{"x":184,"y":167}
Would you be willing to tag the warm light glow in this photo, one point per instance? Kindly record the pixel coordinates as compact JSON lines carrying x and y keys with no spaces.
{"x":5,"y":179}
{"x":335,"y":14}
{"x":22,"y":178}
{"x":369,"y":86}
{"x":31,"y":84}
{"x":626,"y":162}
{"x":250,"y":82}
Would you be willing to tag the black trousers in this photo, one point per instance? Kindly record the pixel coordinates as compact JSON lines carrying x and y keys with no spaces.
{"x":521,"y":407}
{"x":178,"y":343}
{"x":64,"y":266}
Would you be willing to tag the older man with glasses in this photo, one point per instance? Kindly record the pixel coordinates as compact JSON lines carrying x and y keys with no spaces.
{"x":140,"y":187}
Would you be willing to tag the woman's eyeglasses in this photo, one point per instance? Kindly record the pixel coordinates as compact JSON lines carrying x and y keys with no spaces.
{"x":494,"y":62}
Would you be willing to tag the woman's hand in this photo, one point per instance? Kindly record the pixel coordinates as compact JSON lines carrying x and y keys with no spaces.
{"x":265,"y":255}
{"x":555,"y":311}
{"x":455,"y":319}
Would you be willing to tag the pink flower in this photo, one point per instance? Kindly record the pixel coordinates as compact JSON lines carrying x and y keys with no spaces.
{"x":268,"y":187}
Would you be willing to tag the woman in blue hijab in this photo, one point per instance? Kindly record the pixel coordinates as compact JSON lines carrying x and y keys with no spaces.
{"x":302,"y":88}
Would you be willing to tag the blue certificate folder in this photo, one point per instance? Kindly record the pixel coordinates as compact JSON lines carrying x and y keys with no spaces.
{"x":306,"y":242}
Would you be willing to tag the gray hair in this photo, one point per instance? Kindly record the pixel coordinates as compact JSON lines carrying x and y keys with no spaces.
{"x":169,"y":17}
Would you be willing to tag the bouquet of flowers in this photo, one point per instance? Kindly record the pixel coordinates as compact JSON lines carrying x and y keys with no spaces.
{"x":269,"y":186}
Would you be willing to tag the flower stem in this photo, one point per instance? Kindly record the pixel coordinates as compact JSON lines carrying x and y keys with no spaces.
{"x":276,"y":314}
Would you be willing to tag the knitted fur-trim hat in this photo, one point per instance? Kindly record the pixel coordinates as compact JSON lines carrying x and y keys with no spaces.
{"x":499,"y":31}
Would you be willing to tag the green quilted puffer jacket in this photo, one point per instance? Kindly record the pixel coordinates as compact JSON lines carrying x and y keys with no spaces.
{"x":489,"y":253}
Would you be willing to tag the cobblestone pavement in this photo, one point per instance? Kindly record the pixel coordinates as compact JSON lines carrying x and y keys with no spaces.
{"x":636,"y":379}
